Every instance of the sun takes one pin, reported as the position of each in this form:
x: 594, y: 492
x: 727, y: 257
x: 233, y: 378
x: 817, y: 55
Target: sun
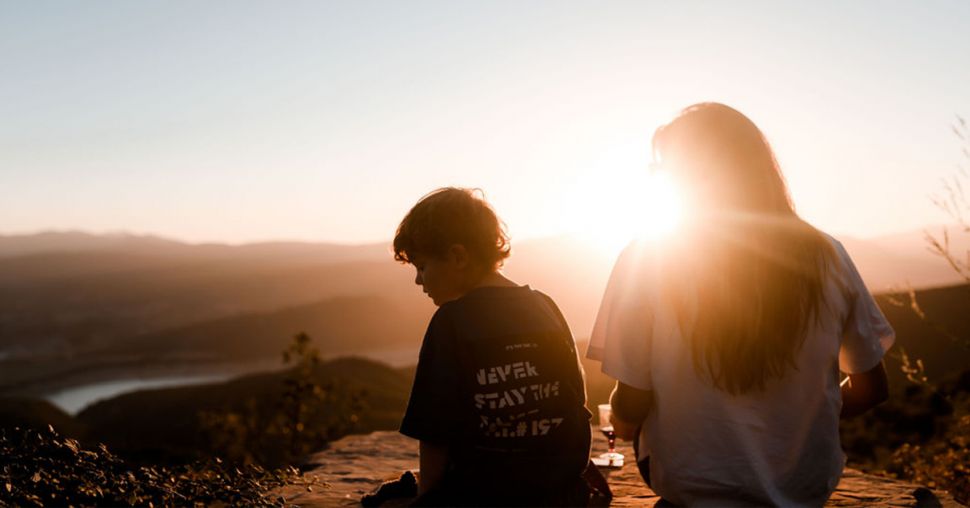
x: 663, y: 205
x: 614, y: 209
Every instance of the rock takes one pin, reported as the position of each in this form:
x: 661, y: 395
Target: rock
x: 356, y: 465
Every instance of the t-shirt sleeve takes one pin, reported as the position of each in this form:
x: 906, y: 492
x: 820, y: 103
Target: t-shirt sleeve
x: 622, y: 333
x: 577, y: 374
x: 866, y: 333
x: 432, y: 410
x: 559, y: 318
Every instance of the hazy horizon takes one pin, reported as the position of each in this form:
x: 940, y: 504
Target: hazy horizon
x: 580, y: 236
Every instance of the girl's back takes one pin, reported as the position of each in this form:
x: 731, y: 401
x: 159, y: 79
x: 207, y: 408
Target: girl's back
x: 778, y: 445
x: 730, y: 336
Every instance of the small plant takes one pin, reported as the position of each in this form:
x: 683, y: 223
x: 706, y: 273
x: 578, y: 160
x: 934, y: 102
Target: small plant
x: 953, y: 201
x: 943, y: 461
x: 306, y: 413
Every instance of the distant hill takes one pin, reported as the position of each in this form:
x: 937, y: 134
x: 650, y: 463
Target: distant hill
x: 340, y: 326
x: 77, y: 241
x: 914, y: 244
x: 941, y: 340
x: 900, y: 262
x: 158, y: 247
x: 73, y: 302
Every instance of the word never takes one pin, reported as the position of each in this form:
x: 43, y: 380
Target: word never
x: 517, y: 370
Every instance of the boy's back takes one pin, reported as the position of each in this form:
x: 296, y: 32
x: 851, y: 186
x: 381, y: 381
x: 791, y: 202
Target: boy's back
x: 498, y: 403
x: 498, y: 383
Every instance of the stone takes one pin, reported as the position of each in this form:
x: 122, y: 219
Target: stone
x: 355, y: 465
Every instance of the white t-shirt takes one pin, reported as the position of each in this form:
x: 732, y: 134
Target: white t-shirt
x: 779, y: 446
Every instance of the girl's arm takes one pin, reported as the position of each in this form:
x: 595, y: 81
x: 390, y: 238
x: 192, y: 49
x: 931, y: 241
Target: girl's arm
x: 630, y: 407
x: 862, y: 392
x: 433, y: 463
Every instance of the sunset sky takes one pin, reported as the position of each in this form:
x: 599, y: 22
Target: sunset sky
x: 325, y: 121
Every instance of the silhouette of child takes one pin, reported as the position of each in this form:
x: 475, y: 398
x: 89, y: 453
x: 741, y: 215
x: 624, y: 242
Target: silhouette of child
x: 498, y: 401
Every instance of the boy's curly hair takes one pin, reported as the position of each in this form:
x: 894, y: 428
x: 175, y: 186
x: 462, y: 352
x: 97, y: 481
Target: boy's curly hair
x: 449, y: 216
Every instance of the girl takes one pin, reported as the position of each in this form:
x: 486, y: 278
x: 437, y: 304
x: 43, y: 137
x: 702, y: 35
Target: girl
x: 726, y: 340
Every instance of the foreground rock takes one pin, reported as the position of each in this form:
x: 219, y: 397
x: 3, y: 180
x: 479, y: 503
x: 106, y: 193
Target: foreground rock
x: 355, y: 465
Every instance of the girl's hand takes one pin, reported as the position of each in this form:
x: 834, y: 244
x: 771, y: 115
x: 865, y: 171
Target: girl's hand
x: 625, y: 430
x: 864, y: 391
x: 633, y: 404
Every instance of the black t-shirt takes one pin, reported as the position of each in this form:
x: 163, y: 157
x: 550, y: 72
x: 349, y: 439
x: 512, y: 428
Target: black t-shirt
x: 499, y: 383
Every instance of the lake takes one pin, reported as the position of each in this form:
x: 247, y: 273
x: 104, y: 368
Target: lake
x: 74, y: 399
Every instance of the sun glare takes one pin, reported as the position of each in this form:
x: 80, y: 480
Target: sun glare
x: 635, y: 205
x: 662, y: 206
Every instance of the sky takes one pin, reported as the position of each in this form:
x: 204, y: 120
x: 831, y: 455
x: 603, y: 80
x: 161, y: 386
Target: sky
x: 233, y: 121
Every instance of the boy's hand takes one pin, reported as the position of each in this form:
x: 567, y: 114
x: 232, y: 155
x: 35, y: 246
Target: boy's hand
x: 594, y: 478
x: 433, y: 461
x: 625, y: 430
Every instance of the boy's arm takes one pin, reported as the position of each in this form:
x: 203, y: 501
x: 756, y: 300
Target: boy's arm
x: 864, y: 391
x: 630, y: 407
x: 433, y: 463
x: 429, y: 417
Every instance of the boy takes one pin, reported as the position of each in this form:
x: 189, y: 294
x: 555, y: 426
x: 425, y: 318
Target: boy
x: 498, y: 402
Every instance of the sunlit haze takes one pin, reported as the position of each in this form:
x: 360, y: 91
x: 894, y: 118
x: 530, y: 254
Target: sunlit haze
x: 639, y: 204
x: 325, y: 121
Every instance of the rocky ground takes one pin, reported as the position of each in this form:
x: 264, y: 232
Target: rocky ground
x: 356, y: 465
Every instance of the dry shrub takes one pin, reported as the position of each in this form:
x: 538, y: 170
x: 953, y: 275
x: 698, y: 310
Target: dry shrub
x: 942, y: 463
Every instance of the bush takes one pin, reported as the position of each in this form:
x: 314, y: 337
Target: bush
x: 942, y: 463
x: 308, y: 413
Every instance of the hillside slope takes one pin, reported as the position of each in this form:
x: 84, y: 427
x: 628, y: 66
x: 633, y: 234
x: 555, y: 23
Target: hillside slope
x: 166, y: 424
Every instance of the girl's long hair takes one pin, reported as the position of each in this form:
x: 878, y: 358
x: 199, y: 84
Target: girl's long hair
x: 751, y: 279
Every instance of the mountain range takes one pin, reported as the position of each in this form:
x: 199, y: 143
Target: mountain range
x: 73, y: 303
